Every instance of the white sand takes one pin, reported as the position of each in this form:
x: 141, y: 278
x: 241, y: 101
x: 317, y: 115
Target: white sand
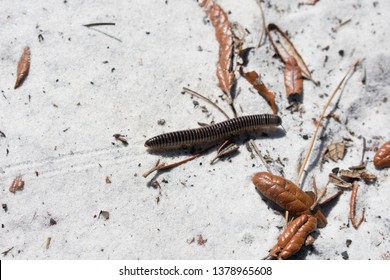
x: 72, y: 148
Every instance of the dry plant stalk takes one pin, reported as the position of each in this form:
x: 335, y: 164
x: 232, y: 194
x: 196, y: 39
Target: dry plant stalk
x: 284, y: 48
x: 163, y: 166
x: 292, y: 77
x: 23, y: 67
x: 254, y: 79
x: 17, y: 184
x: 382, y: 156
x: 263, y: 33
x: 293, y: 237
x: 352, y: 204
x: 224, y: 35
x: 350, y: 71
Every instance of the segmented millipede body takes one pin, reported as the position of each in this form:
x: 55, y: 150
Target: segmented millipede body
x: 287, y: 195
x: 213, y: 133
x: 293, y: 237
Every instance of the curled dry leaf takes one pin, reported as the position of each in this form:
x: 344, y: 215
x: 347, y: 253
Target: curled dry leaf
x: 292, y: 77
x: 284, y: 48
x: 337, y: 181
x: 254, y: 79
x: 294, y: 237
x: 23, y: 67
x: 17, y: 184
x: 224, y: 34
x: 382, y: 156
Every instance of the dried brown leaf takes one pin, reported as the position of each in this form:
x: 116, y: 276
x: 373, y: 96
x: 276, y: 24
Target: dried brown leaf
x: 337, y: 181
x: 254, y: 79
x: 23, y: 67
x: 108, y: 181
x: 224, y: 35
x: 292, y: 77
x: 336, y: 151
x: 17, y: 184
x: 382, y: 156
x: 284, y: 48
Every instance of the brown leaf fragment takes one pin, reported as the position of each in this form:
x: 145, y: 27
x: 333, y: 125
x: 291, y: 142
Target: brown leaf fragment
x: 352, y: 204
x: 336, y: 151
x: 337, y: 181
x: 17, y: 184
x: 23, y: 67
x: 104, y: 214
x: 284, y: 48
x: 108, y: 181
x: 368, y: 177
x: 224, y: 35
x: 382, y: 156
x: 350, y: 174
x: 201, y: 241
x: 292, y: 77
x: 254, y: 79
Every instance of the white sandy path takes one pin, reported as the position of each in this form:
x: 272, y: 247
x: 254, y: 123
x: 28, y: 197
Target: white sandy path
x: 72, y: 148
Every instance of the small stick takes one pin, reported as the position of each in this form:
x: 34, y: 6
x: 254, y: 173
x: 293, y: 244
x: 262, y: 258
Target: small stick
x: 164, y: 166
x: 330, y: 198
x: 48, y: 243
x: 254, y: 147
x: 108, y: 35
x: 335, y: 29
x: 5, y: 253
x: 262, y: 24
x: 352, y: 207
x: 99, y: 24
x: 350, y: 71
x: 364, y: 150
x: 190, y: 91
x: 322, y: 194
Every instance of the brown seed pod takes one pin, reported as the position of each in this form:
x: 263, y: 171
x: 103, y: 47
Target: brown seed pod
x: 23, y: 67
x: 283, y: 192
x: 293, y: 237
x: 287, y: 195
x: 382, y: 156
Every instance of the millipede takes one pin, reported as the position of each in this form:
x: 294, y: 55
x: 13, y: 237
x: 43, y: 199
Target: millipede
x: 214, y: 132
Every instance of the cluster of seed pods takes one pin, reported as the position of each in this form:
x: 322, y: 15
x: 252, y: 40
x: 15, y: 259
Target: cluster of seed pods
x: 291, y: 198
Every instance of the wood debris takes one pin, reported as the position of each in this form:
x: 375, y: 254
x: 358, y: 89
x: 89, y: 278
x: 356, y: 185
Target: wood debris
x: 108, y: 181
x: 121, y: 138
x: 23, y: 67
x: 352, y: 204
x: 200, y: 240
x: 338, y: 182
x: 17, y: 184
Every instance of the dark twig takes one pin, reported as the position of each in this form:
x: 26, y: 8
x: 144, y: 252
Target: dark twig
x: 98, y: 24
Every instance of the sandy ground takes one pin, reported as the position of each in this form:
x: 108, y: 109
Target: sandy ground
x: 84, y: 86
